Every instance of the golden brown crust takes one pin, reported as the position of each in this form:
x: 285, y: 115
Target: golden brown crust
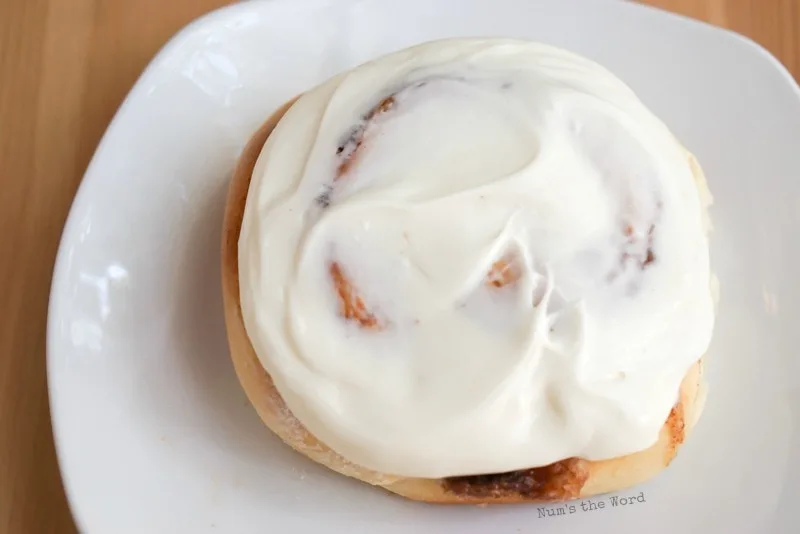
x: 568, y: 479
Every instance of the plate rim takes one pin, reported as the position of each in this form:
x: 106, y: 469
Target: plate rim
x: 88, y: 180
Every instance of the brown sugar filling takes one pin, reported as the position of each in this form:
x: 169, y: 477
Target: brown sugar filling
x: 349, y: 150
x: 503, y: 272
x: 555, y: 482
x: 559, y: 481
x: 351, y: 304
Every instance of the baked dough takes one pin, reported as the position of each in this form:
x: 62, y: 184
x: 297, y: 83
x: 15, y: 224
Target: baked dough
x: 567, y: 479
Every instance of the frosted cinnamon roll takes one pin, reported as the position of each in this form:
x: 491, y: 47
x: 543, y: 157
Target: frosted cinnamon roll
x: 472, y: 271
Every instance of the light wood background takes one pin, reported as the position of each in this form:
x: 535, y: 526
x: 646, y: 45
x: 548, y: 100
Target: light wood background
x: 65, y: 66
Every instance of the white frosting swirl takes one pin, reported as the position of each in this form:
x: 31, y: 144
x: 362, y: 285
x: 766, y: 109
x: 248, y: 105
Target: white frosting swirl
x: 475, y: 256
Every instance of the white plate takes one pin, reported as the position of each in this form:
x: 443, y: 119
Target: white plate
x: 153, y: 432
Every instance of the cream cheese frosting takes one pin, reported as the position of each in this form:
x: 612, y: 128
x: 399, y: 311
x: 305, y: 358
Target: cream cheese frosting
x: 475, y: 256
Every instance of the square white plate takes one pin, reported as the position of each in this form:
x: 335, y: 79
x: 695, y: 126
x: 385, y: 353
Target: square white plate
x: 153, y: 431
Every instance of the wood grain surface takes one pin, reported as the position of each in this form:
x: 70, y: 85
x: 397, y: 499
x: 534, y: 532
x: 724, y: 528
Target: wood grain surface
x: 65, y: 65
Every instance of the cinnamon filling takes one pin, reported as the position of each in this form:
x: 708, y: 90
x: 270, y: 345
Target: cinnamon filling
x: 555, y: 482
x: 349, y: 150
x: 351, y: 305
x: 639, y: 259
x: 503, y: 272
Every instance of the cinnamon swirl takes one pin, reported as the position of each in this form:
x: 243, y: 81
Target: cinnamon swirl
x: 472, y: 271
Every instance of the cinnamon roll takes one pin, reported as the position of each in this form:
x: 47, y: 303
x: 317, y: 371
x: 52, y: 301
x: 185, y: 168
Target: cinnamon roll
x: 472, y: 271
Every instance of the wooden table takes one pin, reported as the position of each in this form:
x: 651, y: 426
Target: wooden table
x: 65, y: 66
